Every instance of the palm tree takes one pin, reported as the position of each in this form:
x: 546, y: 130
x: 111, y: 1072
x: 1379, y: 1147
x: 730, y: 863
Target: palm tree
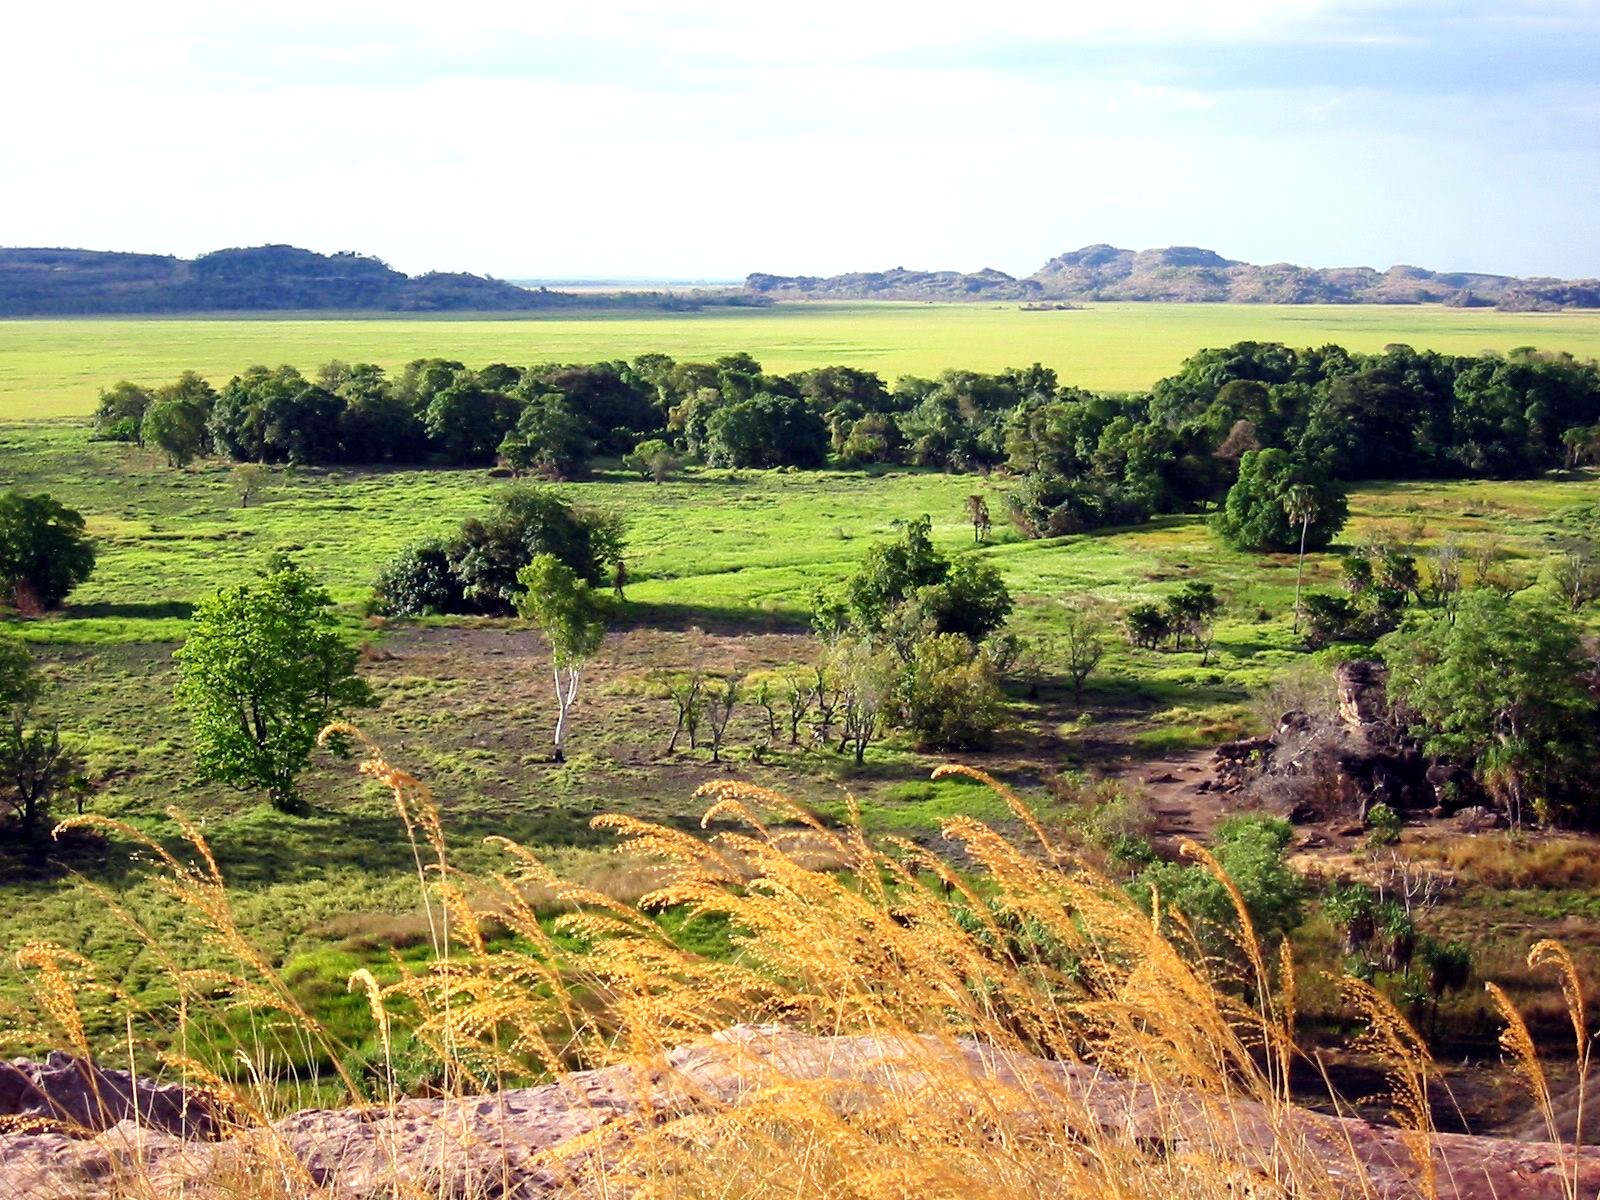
x: 1300, y: 506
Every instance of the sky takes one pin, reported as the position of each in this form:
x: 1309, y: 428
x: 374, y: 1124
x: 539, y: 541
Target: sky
x: 707, y: 139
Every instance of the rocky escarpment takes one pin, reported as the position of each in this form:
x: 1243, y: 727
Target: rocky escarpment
x: 1182, y: 274
x: 1334, y: 768
x: 517, y: 1143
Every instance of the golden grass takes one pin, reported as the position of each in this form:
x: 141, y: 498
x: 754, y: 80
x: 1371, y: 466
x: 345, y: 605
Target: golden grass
x: 1026, y: 952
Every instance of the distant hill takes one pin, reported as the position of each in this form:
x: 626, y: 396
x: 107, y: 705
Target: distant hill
x: 1189, y: 274
x: 273, y: 279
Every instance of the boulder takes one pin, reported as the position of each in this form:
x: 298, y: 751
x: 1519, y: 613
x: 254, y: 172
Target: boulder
x: 514, y: 1143
x: 1362, y: 685
x: 81, y: 1099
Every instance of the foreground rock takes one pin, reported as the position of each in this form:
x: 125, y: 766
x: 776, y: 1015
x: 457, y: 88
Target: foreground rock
x: 511, y: 1144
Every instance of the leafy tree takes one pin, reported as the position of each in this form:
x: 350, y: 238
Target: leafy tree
x: 653, y: 459
x: 1191, y: 611
x: 766, y: 431
x: 1148, y: 625
x: 44, y: 552
x: 1501, y: 686
x: 488, y: 552
x: 549, y: 440
x: 264, y: 668
x: 1256, y: 514
x: 466, y: 423
x: 119, y: 416
x: 176, y: 422
x: 572, y: 618
x: 248, y: 479
x: 35, y: 766
x: 909, y: 585
x: 1253, y: 850
x: 978, y: 514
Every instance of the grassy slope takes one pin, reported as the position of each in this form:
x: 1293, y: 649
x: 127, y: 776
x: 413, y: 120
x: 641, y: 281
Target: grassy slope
x: 56, y: 367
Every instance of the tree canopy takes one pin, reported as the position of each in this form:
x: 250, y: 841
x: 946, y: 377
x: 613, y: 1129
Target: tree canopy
x: 44, y: 551
x: 263, y: 670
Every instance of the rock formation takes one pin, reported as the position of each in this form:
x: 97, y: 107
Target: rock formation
x: 1315, y: 768
x: 512, y: 1144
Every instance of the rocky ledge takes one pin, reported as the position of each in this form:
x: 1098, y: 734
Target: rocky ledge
x: 507, y: 1144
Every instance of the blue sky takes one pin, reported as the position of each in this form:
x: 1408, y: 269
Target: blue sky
x: 710, y: 139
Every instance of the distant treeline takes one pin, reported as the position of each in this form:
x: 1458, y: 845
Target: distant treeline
x: 278, y: 279
x: 1084, y: 459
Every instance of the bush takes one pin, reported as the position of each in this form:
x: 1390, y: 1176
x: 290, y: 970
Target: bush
x: 952, y: 698
x: 419, y: 582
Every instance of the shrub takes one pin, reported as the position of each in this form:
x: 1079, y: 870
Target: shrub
x: 952, y: 696
x: 419, y: 582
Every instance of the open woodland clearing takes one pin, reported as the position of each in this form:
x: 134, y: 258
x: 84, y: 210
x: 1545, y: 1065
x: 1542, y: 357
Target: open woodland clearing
x: 54, y: 368
x: 722, y: 567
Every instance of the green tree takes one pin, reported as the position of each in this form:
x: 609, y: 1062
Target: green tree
x: 1300, y: 506
x: 263, y: 670
x: 951, y: 695
x: 120, y: 413
x: 177, y: 420
x: 1501, y: 686
x: 44, y: 552
x: 653, y: 459
x: 572, y: 618
x: 1256, y: 513
x: 1083, y: 638
x: 35, y: 765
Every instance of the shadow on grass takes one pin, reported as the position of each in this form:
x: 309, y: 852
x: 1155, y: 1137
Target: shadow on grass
x: 153, y: 610
x: 729, y: 620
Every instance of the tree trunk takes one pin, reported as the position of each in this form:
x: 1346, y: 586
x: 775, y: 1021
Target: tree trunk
x: 1300, y: 571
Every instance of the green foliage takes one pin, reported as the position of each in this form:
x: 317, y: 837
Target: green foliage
x: 419, y: 581
x: 1257, y: 512
x: 476, y: 571
x: 906, y: 587
x: 119, y: 416
x: 766, y: 431
x: 1253, y: 850
x: 549, y: 440
x: 177, y: 419
x: 1500, y: 684
x: 263, y: 670
x: 44, y: 551
x: 573, y: 620
x: 1147, y: 625
x: 1383, y: 826
x: 563, y: 606
x: 653, y: 459
x: 952, y: 698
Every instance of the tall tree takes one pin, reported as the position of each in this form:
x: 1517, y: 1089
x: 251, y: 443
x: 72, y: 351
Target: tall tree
x: 1300, y: 506
x: 572, y: 618
x: 263, y: 670
x: 35, y: 765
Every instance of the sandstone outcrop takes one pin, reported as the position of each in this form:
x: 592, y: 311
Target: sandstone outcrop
x: 510, y: 1144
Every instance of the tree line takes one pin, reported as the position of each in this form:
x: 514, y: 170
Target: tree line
x: 1084, y: 459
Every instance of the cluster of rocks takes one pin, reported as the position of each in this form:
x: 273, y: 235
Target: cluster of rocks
x: 512, y: 1144
x: 1335, y: 768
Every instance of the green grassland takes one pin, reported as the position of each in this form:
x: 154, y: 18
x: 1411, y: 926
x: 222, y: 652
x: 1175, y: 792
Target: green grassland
x: 56, y: 367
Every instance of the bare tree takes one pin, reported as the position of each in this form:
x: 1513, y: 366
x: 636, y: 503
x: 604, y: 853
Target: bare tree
x: 978, y: 514
x: 1083, y: 638
x: 686, y: 690
x: 722, y: 697
x: 1444, y: 570
x: 825, y: 698
x: 867, y: 678
x: 1577, y: 574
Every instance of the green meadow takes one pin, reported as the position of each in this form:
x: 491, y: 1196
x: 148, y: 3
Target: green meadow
x: 54, y: 368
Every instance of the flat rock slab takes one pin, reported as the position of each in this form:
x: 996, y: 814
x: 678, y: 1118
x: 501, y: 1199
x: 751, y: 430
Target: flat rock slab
x: 514, y: 1143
